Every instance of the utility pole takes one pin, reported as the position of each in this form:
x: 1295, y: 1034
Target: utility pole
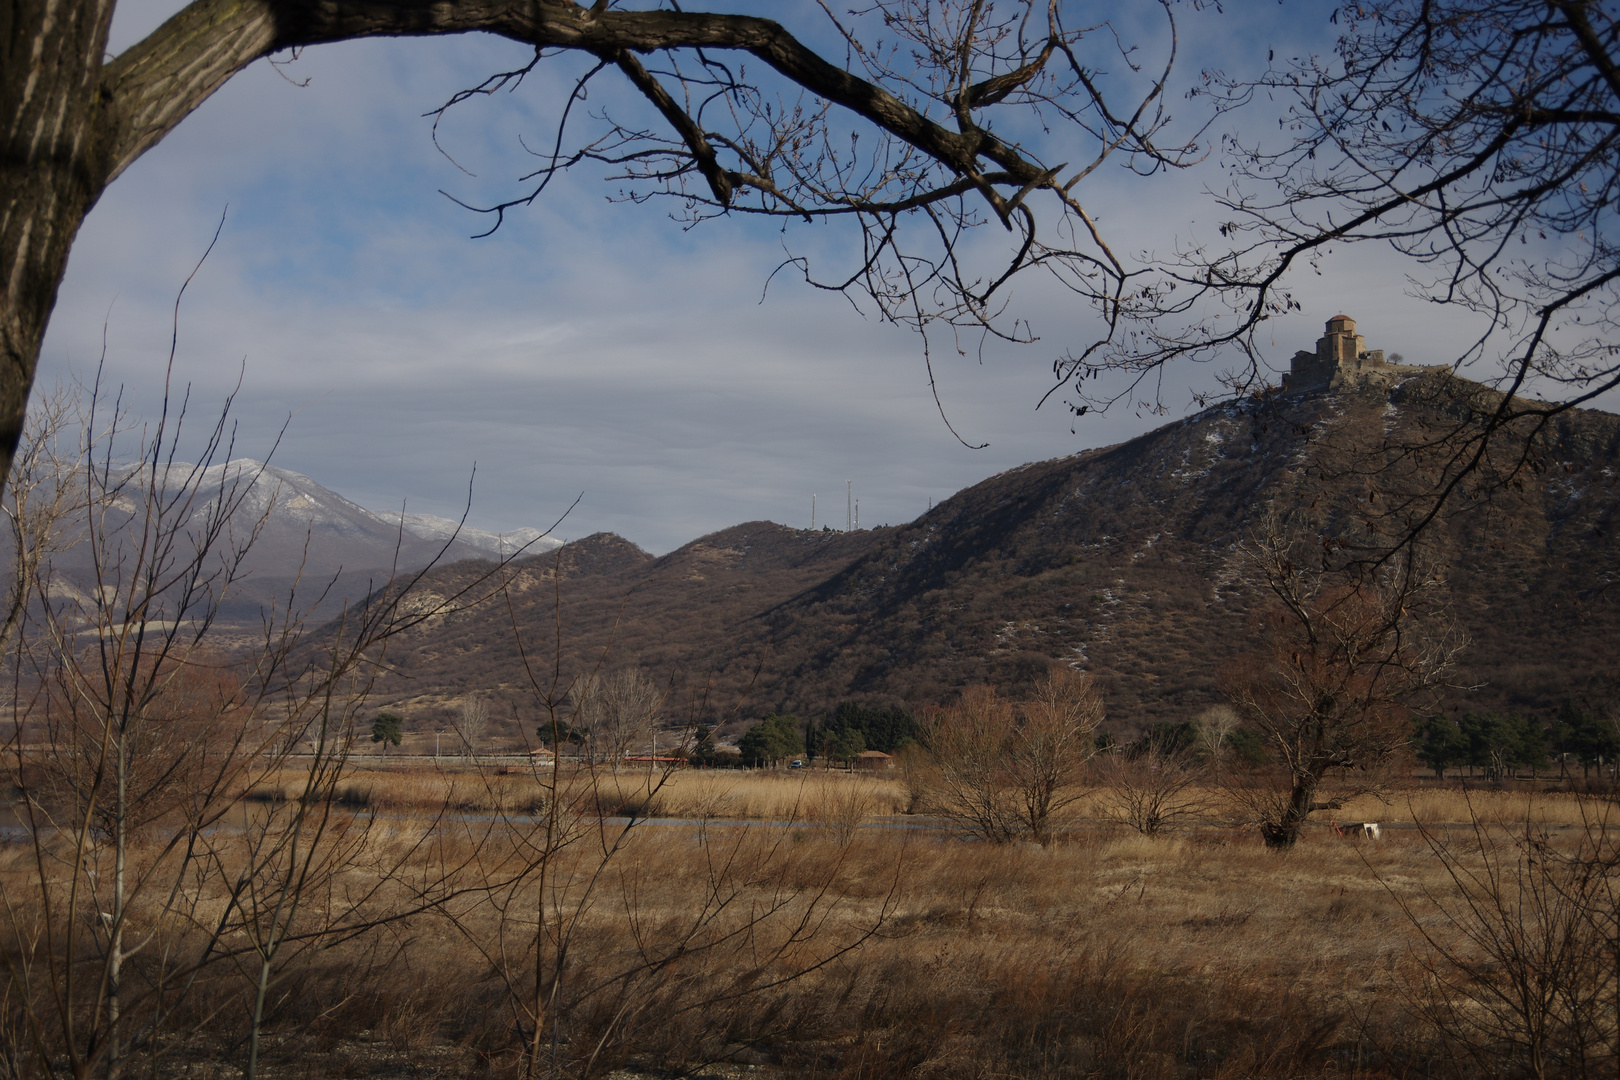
x: 812, y: 512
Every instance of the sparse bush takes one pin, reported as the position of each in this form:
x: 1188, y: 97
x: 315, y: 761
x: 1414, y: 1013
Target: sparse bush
x: 1001, y: 769
x: 1155, y: 788
x: 1523, y: 946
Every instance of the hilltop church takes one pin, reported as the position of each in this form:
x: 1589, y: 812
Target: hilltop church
x: 1340, y: 353
x: 1341, y: 357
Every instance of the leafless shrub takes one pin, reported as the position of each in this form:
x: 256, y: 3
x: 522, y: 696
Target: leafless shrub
x: 839, y: 809
x: 1155, y: 788
x: 1000, y: 769
x: 1523, y: 946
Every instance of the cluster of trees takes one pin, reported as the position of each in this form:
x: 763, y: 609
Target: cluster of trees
x: 854, y: 728
x: 1497, y: 745
x: 610, y: 716
x: 851, y: 730
x: 773, y: 740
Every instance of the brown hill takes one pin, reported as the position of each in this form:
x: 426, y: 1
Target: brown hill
x: 1118, y: 560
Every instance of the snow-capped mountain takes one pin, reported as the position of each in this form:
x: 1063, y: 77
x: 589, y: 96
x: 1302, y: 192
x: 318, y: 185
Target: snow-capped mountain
x: 295, y: 508
x: 308, y: 536
x: 529, y: 541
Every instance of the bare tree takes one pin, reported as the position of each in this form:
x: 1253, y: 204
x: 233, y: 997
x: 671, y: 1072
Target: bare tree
x: 1522, y: 953
x: 933, y: 128
x: 1155, y: 787
x: 42, y: 501
x: 1002, y: 769
x: 967, y: 780
x: 1049, y: 746
x: 1216, y: 725
x: 471, y: 723
x: 134, y: 740
x: 617, y: 712
x: 1344, y: 655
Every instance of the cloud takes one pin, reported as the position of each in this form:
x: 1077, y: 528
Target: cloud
x: 588, y: 346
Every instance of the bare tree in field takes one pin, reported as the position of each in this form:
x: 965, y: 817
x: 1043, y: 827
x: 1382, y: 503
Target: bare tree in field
x: 1216, y: 725
x: 967, y: 781
x: 617, y: 712
x: 1056, y: 734
x: 471, y: 723
x: 1002, y: 769
x: 1343, y: 657
x: 1155, y: 787
x: 134, y: 743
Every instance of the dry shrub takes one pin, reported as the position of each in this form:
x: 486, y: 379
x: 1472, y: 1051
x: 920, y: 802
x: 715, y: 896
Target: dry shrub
x: 1523, y: 947
x: 839, y: 808
x: 1154, y: 789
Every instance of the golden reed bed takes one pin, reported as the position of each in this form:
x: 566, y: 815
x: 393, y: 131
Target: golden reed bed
x: 787, y: 795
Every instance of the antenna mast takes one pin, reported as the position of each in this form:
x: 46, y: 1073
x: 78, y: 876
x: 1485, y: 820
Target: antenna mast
x: 849, y: 509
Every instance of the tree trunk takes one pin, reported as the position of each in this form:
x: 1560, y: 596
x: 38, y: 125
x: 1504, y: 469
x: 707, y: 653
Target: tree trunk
x: 1284, y: 833
x: 53, y: 167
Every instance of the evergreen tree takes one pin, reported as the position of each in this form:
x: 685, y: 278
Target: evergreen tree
x: 1499, y: 744
x: 1440, y: 744
x: 1591, y: 741
x: 387, y: 729
x: 844, y: 746
x: 880, y: 729
x: 772, y: 740
x: 559, y: 732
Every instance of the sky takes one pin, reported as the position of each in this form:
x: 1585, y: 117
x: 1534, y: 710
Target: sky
x: 591, y: 349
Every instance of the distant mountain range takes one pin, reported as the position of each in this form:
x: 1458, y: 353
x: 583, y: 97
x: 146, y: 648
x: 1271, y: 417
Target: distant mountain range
x: 1116, y: 560
x: 312, y: 535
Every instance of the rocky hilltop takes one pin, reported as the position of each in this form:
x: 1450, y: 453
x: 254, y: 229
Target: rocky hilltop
x: 1117, y: 560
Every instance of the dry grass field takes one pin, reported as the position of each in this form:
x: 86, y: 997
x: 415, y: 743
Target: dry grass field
x: 799, y: 924
x: 793, y: 795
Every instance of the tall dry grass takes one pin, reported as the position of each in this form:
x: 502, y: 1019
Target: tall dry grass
x: 756, y: 920
x: 1199, y: 954
x: 766, y: 795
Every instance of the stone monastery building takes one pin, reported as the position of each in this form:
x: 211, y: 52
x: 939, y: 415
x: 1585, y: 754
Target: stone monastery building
x: 1341, y: 354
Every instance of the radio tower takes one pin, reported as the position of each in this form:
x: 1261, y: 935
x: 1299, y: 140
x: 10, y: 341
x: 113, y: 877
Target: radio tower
x: 849, y: 510
x: 812, y: 513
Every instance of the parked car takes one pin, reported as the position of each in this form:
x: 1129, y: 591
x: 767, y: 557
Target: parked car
x: 796, y: 763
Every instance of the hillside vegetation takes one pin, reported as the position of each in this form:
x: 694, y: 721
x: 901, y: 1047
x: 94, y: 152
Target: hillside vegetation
x: 1117, y: 560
